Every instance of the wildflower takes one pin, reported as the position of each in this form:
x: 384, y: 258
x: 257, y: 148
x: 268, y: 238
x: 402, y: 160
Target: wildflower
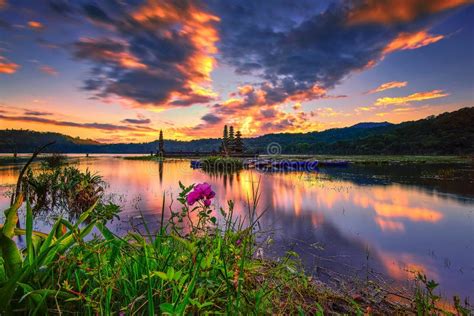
x: 202, y: 191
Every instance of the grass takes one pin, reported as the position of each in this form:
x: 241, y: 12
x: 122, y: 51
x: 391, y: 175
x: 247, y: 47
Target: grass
x: 385, y: 159
x: 201, y: 260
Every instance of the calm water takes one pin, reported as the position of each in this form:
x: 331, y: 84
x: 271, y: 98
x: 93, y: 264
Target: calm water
x: 380, y: 221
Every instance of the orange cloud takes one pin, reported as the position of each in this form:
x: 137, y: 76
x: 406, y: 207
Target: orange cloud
x: 296, y: 106
x: 387, y: 86
x: 127, y: 60
x: 101, y: 51
x: 398, y: 11
x: 7, y: 67
x: 416, y: 40
x: 307, y: 95
x: 404, y: 41
x: 35, y: 25
x: 253, y: 112
x: 415, y: 97
x: 197, y: 26
x: 364, y: 109
x: 48, y: 70
x: 3, y: 4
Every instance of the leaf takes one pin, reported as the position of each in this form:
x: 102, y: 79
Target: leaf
x: 170, y: 273
x: 11, y: 217
x: 86, y: 214
x: 167, y: 308
x: 160, y: 274
x: 50, y: 237
x: 29, y: 232
x: 11, y: 255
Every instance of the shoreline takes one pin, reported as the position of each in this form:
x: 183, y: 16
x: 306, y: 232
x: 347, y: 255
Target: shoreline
x: 357, y: 160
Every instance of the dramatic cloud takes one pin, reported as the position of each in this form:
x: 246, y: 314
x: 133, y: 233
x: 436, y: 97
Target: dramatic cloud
x: 7, y: 67
x: 137, y: 121
x: 294, y: 59
x: 107, y: 52
x: 387, y: 86
x: 159, y: 53
x: 300, y: 50
x: 99, y: 126
x: 399, y: 11
x: 48, y: 70
x: 253, y: 111
x: 415, y: 97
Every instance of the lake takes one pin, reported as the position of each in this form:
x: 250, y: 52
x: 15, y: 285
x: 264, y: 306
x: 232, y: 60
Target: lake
x: 379, y: 222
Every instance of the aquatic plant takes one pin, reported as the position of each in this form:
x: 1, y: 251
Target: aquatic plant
x: 217, y: 163
x: 54, y: 160
x: 66, y: 188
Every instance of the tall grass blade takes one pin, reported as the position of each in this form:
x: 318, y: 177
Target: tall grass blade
x: 29, y: 233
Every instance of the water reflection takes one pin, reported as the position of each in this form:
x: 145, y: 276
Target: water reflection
x: 335, y: 218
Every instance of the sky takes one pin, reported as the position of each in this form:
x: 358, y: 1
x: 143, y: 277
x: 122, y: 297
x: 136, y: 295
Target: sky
x: 120, y: 71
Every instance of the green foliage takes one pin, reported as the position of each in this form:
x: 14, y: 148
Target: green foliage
x: 66, y: 188
x: 217, y: 163
x: 105, y: 212
x: 425, y: 299
x: 53, y: 161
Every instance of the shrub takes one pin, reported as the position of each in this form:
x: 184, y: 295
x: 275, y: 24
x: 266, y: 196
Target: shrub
x: 216, y: 163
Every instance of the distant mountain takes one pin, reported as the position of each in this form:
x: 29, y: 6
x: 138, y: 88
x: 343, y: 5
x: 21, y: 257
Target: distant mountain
x: 447, y: 133
x: 26, y: 141
x: 371, y: 124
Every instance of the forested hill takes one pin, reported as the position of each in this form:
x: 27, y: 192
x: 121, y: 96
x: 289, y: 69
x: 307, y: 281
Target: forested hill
x: 448, y: 133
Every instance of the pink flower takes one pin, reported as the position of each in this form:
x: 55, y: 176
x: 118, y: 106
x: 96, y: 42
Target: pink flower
x: 193, y: 197
x: 202, y: 191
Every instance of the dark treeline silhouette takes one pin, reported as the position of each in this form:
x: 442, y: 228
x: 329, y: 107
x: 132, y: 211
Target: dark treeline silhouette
x: 447, y: 133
